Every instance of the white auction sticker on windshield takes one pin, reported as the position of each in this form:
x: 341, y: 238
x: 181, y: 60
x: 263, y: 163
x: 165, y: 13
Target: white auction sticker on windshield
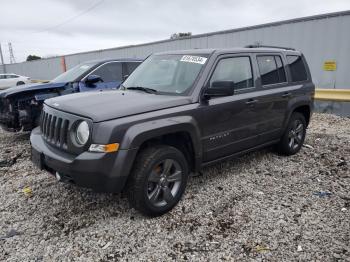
x: 194, y: 59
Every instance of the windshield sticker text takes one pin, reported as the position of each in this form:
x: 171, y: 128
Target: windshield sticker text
x: 194, y: 59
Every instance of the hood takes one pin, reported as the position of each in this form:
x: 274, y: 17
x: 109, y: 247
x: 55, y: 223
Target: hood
x: 107, y: 105
x: 29, y: 87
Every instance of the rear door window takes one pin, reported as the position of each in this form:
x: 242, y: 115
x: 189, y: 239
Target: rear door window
x: 271, y: 70
x: 110, y: 72
x: 297, y: 68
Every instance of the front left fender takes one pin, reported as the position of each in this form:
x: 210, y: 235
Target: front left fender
x: 137, y: 134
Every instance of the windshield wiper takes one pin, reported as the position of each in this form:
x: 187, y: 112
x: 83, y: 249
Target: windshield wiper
x: 141, y: 88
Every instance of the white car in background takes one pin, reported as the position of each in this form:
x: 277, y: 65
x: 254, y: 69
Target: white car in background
x: 8, y: 80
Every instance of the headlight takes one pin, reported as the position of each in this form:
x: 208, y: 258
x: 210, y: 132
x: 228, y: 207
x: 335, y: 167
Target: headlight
x: 82, y: 133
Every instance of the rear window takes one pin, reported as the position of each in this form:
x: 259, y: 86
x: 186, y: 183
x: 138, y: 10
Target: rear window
x: 297, y: 68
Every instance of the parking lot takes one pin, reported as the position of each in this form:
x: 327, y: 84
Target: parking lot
x: 259, y: 206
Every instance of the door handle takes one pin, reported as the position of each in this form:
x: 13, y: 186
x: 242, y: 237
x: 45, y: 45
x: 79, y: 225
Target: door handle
x: 287, y: 94
x: 251, y: 102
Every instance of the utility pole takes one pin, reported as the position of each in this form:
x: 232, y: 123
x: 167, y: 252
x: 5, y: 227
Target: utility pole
x: 2, y: 61
x: 12, y: 57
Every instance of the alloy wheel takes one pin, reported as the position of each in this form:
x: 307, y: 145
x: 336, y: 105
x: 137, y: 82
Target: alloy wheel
x: 164, y: 182
x: 296, y: 133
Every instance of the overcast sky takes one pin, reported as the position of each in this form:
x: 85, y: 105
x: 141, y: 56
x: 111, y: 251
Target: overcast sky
x: 57, y: 27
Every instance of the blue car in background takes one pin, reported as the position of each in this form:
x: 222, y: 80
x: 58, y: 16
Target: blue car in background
x: 20, y: 106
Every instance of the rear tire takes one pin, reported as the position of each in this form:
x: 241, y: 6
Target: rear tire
x: 20, y: 83
x: 294, y: 135
x: 158, y: 180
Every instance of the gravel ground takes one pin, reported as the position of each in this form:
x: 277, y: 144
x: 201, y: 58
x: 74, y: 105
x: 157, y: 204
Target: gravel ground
x: 257, y: 207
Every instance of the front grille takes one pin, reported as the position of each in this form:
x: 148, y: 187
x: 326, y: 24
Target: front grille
x: 54, y: 129
x: 57, y: 128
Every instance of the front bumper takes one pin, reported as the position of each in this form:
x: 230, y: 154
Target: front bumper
x: 103, y: 172
x: 6, y: 118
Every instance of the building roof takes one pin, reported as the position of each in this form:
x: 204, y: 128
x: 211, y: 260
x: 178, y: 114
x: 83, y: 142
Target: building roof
x: 290, y: 21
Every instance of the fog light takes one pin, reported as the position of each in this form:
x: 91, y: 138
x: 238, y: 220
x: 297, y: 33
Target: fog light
x: 104, y: 148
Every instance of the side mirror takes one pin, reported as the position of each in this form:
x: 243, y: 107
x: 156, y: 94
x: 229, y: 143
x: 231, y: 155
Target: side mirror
x: 93, y: 79
x: 219, y: 89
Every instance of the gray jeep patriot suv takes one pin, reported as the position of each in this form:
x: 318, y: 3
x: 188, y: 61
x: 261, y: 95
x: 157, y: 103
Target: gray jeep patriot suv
x: 175, y: 114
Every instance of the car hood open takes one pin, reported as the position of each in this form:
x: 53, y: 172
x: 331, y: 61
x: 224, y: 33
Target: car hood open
x: 107, y: 105
x: 15, y: 90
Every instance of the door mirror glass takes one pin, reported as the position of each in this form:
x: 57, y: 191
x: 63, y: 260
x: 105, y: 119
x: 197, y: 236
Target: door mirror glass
x: 219, y: 89
x: 92, y: 79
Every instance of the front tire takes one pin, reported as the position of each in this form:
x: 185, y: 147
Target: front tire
x: 158, y: 180
x: 294, y: 135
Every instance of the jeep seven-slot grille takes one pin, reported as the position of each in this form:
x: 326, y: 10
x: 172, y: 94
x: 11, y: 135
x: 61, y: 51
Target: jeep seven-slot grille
x: 54, y: 129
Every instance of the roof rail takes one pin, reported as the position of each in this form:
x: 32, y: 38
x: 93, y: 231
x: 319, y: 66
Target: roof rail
x: 269, y: 46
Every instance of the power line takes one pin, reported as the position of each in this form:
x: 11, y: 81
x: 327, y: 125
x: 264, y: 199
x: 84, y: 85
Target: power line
x: 12, y: 56
x: 72, y: 18
x: 2, y: 61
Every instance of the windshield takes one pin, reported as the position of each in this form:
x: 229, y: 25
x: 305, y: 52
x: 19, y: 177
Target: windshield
x: 174, y: 74
x: 73, y: 73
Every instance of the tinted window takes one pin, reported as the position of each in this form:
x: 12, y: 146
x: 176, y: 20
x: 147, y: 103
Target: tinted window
x: 280, y: 69
x: 236, y: 69
x: 12, y: 76
x: 131, y: 66
x: 271, y: 70
x: 110, y: 72
x: 297, y: 68
x: 2, y: 77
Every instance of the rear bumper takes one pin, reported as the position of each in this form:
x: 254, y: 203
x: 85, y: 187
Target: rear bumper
x: 103, y: 172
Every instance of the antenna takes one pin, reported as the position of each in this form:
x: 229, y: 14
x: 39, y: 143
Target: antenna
x: 12, y: 57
